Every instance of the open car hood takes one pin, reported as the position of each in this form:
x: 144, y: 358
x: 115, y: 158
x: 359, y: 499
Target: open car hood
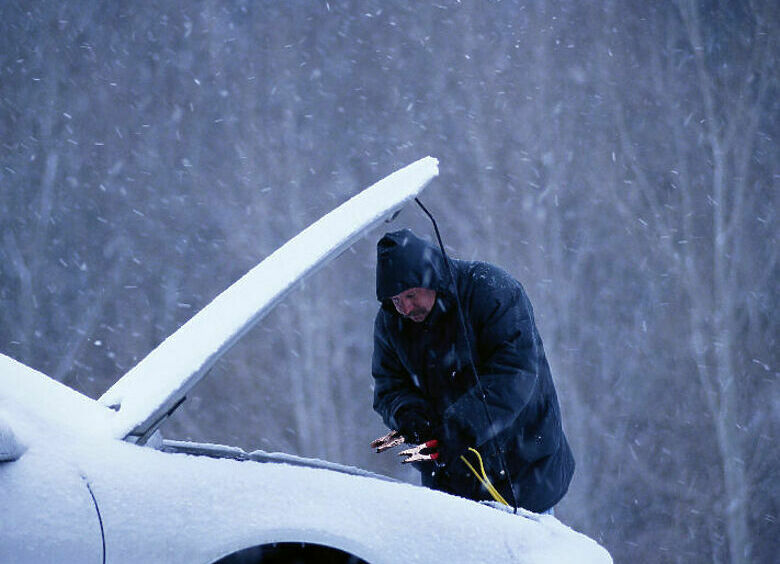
x: 151, y: 390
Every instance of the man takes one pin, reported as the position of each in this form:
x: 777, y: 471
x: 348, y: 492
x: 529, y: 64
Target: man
x: 424, y: 382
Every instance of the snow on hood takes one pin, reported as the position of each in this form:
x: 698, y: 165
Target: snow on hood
x: 161, y: 507
x: 217, y: 506
x: 57, y: 404
x: 161, y: 380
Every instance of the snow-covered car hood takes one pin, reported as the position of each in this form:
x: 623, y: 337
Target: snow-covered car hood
x: 155, y: 506
x: 159, y: 383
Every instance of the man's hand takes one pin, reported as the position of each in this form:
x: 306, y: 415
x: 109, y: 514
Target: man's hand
x: 451, y: 444
x: 414, y: 425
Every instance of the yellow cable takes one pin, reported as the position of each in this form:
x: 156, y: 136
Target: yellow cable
x: 487, y: 485
x: 484, y: 480
x: 481, y: 480
x: 491, y: 488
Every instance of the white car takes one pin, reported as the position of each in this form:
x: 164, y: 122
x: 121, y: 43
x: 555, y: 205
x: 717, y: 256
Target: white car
x: 93, y: 481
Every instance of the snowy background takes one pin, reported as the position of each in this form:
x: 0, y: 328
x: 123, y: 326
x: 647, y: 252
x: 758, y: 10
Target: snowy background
x: 618, y: 158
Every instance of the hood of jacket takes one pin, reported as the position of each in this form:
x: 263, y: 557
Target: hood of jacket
x: 405, y: 261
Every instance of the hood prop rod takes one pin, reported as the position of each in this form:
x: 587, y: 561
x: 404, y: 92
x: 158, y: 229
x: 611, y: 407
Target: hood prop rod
x: 143, y: 438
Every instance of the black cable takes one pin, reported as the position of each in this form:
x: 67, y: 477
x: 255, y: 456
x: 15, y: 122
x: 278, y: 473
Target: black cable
x: 480, y: 389
x: 100, y: 518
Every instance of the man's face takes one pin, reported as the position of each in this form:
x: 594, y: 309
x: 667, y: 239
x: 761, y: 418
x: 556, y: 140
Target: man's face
x: 415, y: 303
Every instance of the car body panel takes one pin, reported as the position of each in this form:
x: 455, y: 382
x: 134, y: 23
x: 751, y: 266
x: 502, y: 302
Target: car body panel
x: 48, y: 514
x: 160, y: 381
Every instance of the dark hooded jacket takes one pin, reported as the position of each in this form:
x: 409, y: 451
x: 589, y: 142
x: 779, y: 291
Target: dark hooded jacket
x: 425, y: 366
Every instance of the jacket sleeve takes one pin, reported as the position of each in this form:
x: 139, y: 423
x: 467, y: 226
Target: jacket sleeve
x: 394, y: 390
x: 507, y: 352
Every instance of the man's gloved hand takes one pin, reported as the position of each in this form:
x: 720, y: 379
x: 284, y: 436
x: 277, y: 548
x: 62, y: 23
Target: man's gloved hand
x: 414, y: 425
x: 452, y: 443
